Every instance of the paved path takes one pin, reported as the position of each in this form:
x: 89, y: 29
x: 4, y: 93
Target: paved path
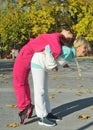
x: 70, y: 96
x: 6, y: 65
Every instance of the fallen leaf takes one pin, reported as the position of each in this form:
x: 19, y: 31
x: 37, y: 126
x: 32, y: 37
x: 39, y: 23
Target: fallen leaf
x: 59, y: 91
x: 91, y: 108
x: 4, y: 76
x: 84, y: 116
x: 12, y: 125
x: 89, y: 90
x: 78, y: 94
x: 11, y: 106
x: 81, y: 92
x: 52, y: 96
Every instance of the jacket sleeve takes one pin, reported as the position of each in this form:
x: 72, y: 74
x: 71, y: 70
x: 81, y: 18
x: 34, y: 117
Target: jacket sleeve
x: 50, y: 61
x: 61, y: 61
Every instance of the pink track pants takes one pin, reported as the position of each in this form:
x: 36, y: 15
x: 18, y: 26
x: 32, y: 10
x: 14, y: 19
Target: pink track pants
x: 20, y: 80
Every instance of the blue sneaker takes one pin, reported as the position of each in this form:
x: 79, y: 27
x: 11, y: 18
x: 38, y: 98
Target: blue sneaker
x: 53, y: 117
x: 46, y: 122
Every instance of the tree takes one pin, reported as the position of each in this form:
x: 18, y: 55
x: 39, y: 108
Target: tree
x: 22, y: 19
x: 81, y: 12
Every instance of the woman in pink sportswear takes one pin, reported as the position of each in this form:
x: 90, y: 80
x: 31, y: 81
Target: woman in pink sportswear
x: 21, y: 67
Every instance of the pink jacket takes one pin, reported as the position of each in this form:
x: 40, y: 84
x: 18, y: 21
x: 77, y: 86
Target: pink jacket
x: 38, y: 44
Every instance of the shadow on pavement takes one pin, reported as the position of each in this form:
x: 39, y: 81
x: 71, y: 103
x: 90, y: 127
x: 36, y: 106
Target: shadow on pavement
x: 86, y: 126
x: 69, y: 108
x: 33, y: 119
x: 74, y: 106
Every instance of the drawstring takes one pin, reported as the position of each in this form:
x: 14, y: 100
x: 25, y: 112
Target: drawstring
x: 78, y: 67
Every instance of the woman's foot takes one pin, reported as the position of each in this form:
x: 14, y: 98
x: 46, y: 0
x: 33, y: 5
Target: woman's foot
x: 46, y: 122
x: 26, y: 113
x: 53, y: 117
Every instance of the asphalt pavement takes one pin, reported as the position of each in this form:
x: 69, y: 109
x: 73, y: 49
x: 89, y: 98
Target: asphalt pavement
x: 71, y: 98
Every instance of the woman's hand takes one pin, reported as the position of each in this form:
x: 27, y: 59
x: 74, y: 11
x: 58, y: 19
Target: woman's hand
x: 66, y: 66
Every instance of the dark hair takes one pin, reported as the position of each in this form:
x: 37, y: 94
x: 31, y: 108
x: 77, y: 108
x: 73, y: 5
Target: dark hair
x: 66, y: 41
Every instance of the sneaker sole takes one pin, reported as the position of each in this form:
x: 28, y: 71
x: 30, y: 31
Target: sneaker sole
x: 55, y: 119
x: 42, y: 123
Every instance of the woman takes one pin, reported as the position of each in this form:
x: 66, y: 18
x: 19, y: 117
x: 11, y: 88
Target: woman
x: 40, y: 63
x: 43, y: 61
x: 21, y: 67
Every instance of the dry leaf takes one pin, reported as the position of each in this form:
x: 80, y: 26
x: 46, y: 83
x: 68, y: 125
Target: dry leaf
x: 78, y: 94
x: 91, y: 108
x: 52, y: 96
x: 84, y: 116
x: 4, y: 76
x: 81, y: 92
x: 11, y: 106
x: 59, y: 91
x: 12, y: 125
x: 89, y: 90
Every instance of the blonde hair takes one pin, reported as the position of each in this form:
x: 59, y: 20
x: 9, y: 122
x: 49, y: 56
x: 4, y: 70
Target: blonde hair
x: 81, y: 41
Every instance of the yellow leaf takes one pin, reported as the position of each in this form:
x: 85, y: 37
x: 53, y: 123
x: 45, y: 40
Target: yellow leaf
x: 91, y: 108
x: 11, y: 106
x: 12, y: 125
x: 51, y: 96
x: 89, y: 90
x: 84, y: 116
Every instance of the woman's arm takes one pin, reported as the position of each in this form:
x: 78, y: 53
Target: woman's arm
x: 51, y: 63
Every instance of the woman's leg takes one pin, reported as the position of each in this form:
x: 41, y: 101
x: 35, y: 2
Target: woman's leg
x: 21, y: 86
x: 46, y: 93
x: 40, y: 79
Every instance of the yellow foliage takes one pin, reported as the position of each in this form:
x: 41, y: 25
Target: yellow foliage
x: 31, y: 18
